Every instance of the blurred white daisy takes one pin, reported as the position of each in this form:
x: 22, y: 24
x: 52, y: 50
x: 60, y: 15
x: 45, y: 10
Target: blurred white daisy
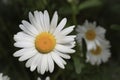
x: 91, y: 34
x: 44, y: 42
x: 100, y: 54
x: 47, y: 78
x: 4, y: 77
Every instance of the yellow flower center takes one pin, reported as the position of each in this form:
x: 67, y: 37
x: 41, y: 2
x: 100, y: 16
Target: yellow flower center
x: 45, y: 42
x: 97, y: 51
x: 90, y: 34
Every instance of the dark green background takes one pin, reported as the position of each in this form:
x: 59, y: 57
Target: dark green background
x: 105, y: 12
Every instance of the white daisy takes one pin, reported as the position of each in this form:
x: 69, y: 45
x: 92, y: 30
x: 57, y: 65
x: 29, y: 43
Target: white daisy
x: 91, y: 34
x: 4, y: 77
x: 100, y: 54
x: 44, y: 42
x: 47, y: 78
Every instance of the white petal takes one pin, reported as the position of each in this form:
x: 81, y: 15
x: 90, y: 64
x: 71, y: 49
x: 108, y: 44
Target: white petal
x: 38, y: 78
x: 104, y: 43
x: 46, y: 20
x: 60, y: 58
x: 24, y: 44
x: 35, y: 62
x: 105, y: 56
x: 29, y: 62
x: 98, y: 62
x: 87, y: 58
x: 19, y: 52
x: 89, y: 25
x: 66, y: 56
x: 67, y: 39
x: 54, y: 22
x: 26, y: 30
x: 47, y: 78
x: 47, y: 68
x: 59, y: 37
x: 1, y: 74
x: 100, y: 30
x: 27, y: 55
x: 30, y: 27
x: 97, y: 42
x: 81, y: 29
x: 86, y: 23
x: 32, y: 19
x: 70, y: 45
x: 38, y: 24
x: 63, y: 61
x: 39, y: 66
x: 60, y: 26
x: 44, y: 64
x: 22, y: 51
x: 79, y: 38
x: 64, y: 49
x: 39, y: 60
x: 42, y: 21
x: 5, y: 78
x: 50, y: 63
x: 92, y: 61
x: 91, y: 45
x: 57, y: 60
x: 35, y: 20
x: 68, y: 30
x: 21, y: 36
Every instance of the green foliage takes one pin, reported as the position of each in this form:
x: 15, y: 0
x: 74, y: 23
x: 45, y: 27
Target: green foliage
x: 89, y: 3
x: 105, y: 12
x: 115, y: 27
x: 78, y: 64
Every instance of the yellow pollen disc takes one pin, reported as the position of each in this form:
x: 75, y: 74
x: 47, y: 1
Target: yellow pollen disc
x: 97, y: 51
x: 90, y: 34
x: 45, y: 42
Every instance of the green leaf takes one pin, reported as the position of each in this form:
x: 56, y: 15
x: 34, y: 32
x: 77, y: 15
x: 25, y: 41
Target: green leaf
x: 78, y: 64
x: 89, y: 4
x: 65, y: 10
x: 115, y: 27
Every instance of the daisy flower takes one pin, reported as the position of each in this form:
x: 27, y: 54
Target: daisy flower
x: 43, y: 42
x: 4, y: 77
x: 91, y: 34
x: 100, y: 54
x: 47, y: 78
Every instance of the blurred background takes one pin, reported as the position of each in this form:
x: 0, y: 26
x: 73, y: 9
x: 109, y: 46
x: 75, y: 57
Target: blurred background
x: 105, y: 12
